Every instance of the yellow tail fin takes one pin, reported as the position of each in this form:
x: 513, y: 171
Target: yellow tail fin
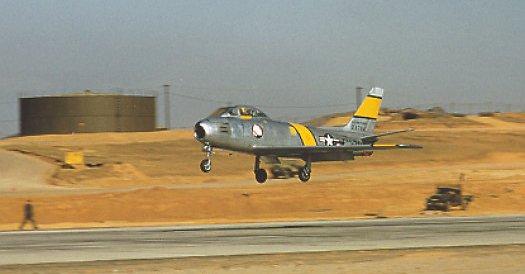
x: 371, y: 105
x: 364, y: 119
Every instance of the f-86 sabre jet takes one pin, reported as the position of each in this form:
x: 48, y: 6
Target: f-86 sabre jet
x: 248, y: 130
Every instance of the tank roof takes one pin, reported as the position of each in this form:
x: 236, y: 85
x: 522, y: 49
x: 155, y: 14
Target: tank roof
x: 88, y: 93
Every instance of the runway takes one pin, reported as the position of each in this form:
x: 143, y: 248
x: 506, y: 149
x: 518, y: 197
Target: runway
x: 257, y: 238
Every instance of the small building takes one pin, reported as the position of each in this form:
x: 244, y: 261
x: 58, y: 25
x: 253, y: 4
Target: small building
x: 85, y: 112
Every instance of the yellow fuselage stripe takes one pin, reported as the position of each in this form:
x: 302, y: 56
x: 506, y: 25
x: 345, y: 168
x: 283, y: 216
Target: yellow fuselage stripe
x: 305, y: 134
x: 293, y: 131
x: 369, y: 108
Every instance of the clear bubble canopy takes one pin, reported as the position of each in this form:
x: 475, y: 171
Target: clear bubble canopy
x: 238, y: 111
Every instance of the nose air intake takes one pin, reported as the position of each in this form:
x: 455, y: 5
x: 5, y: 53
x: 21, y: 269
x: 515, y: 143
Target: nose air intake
x: 200, y: 133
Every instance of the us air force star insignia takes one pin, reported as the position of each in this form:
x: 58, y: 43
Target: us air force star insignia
x: 329, y: 140
x: 257, y: 131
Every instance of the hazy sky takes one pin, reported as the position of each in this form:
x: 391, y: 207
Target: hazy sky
x: 265, y: 52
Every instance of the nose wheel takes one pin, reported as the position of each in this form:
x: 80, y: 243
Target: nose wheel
x: 260, y: 174
x: 206, y: 163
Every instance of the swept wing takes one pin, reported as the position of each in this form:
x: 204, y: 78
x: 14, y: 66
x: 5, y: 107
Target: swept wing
x: 301, y: 151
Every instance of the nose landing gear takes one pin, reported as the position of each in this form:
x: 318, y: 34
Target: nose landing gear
x: 206, y: 163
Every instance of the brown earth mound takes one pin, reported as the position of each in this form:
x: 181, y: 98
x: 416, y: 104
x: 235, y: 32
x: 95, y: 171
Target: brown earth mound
x: 152, y: 178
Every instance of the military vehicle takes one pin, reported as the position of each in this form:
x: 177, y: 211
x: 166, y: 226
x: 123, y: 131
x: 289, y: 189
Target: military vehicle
x: 447, y: 197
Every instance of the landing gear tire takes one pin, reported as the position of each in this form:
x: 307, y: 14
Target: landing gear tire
x: 206, y: 165
x: 261, y: 176
x: 304, y: 174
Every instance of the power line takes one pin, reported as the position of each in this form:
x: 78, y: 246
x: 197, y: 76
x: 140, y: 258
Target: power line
x: 228, y: 102
x: 306, y: 107
x: 192, y: 88
x: 201, y: 99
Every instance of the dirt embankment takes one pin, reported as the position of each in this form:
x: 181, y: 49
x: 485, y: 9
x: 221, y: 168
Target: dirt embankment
x: 21, y: 173
x: 153, y: 178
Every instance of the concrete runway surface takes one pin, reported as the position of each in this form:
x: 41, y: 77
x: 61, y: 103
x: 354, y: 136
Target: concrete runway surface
x: 30, y: 247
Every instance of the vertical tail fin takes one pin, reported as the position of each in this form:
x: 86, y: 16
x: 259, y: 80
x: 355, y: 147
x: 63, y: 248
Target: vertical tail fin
x: 364, y: 119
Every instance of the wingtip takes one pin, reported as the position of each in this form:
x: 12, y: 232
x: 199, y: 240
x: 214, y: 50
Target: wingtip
x: 410, y: 146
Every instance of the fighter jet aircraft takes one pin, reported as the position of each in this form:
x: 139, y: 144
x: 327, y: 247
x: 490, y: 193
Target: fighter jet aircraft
x: 248, y: 130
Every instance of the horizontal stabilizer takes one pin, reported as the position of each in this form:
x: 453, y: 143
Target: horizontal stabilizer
x: 395, y: 146
x: 374, y: 138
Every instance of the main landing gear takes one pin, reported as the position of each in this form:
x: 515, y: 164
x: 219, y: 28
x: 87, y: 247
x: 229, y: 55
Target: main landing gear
x: 260, y: 174
x: 206, y: 163
x: 305, y: 171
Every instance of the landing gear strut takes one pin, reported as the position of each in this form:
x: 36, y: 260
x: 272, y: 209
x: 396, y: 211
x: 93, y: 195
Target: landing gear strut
x: 260, y: 174
x: 304, y: 172
x: 206, y: 163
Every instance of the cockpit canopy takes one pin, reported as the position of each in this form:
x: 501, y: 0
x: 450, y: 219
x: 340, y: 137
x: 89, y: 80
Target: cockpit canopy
x: 238, y: 111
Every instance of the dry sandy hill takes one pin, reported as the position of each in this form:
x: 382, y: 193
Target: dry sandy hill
x: 15, y: 176
x: 425, y: 119
x: 152, y: 178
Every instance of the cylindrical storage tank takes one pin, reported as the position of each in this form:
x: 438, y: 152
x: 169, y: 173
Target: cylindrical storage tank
x: 86, y: 112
